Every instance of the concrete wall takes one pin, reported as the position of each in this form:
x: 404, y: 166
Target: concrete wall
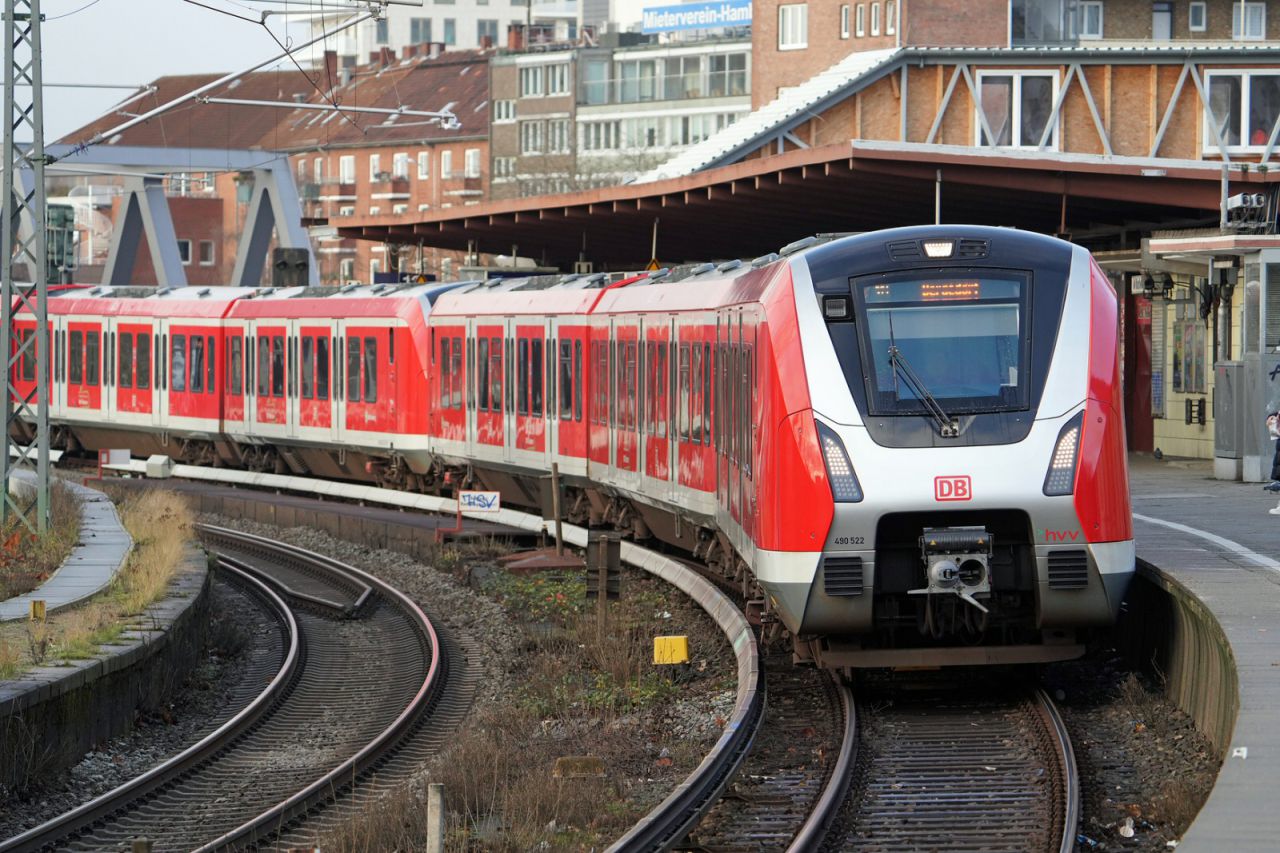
x: 50, y: 717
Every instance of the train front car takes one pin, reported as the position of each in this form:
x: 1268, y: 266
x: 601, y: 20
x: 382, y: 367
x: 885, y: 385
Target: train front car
x: 975, y: 449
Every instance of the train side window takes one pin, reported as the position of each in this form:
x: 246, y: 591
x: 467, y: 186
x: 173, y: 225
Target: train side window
x: 706, y: 394
x: 695, y: 395
x: 308, y: 367
x: 495, y: 374
x: 446, y: 380
x: 633, y: 385
x: 322, y: 367
x: 178, y: 364
x: 108, y: 362
x: 747, y: 371
x: 264, y: 366
x: 291, y: 367
x: 338, y: 365
x: 682, y: 425
x: 162, y: 363
x: 211, y: 365
x: 142, y: 364
x: 577, y: 383
x: 566, y: 379
x: 455, y: 369
x: 196, y: 384
x: 471, y: 373
x: 522, y: 372
x: 391, y: 346
x: 353, y: 369
x: 235, y: 368
x: 126, y: 360
x: 511, y: 367
x: 482, y: 383
x: 535, y: 377
x: 371, y: 370
x: 76, y: 358
x: 549, y: 390
x: 277, y: 365
x: 92, y: 353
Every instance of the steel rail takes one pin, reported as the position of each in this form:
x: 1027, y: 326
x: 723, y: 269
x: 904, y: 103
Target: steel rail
x: 279, y: 816
x: 49, y: 833
x: 814, y: 831
x: 1070, y: 776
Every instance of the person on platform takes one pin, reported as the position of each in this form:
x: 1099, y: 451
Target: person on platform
x: 1273, y: 429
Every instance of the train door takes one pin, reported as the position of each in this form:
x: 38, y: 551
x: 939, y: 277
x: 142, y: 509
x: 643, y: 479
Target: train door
x: 657, y: 447
x: 84, y: 367
x: 489, y: 415
x: 530, y: 433
x: 133, y: 372
x: 625, y: 469
x: 233, y: 389
x: 270, y: 405
x: 599, y: 441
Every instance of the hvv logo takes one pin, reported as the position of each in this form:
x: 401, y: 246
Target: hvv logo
x: 1061, y: 535
x: 480, y: 501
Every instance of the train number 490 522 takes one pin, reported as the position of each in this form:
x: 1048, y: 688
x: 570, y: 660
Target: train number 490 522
x: 850, y: 540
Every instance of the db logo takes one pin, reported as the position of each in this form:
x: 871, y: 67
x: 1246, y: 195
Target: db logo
x: 952, y: 489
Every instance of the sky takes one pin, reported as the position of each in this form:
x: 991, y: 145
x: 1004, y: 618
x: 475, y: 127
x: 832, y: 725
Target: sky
x: 131, y: 42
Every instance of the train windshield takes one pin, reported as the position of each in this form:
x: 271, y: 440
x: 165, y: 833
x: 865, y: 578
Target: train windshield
x: 962, y: 334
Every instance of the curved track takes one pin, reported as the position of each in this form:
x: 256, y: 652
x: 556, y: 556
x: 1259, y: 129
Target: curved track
x: 364, y: 668
x: 941, y: 766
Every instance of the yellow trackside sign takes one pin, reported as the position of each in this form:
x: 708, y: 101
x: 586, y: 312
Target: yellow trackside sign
x: 670, y: 650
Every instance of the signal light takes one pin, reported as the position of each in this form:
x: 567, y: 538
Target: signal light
x: 1061, y: 476
x: 844, y: 482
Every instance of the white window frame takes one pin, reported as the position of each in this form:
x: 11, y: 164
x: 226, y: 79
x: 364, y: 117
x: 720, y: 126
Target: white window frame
x: 213, y: 253
x: 317, y: 169
x: 184, y: 251
x: 890, y: 17
x: 347, y: 169
x: 375, y: 267
x: 1240, y: 20
x: 504, y: 111
x: 557, y: 79
x: 398, y: 209
x: 844, y: 21
x: 347, y: 269
x: 424, y: 164
x: 1209, y: 144
x: 375, y: 210
x: 446, y: 164
x: 532, y: 137
x: 533, y: 81
x: 875, y: 19
x: 793, y: 26
x: 1202, y: 8
x: 400, y: 165
x: 1085, y: 34
x: 375, y: 166
x: 471, y: 163
x: 1015, y: 108
x: 347, y: 210
x: 860, y: 20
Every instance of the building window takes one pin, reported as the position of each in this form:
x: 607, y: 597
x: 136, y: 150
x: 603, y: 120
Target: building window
x: 347, y: 169
x: 347, y: 210
x: 1243, y: 107
x: 891, y: 17
x: 504, y: 111
x: 486, y: 28
x: 1189, y: 349
x: 375, y: 166
x: 531, y: 82
x: 558, y: 136
x: 471, y: 163
x: 400, y: 166
x: 793, y: 26
x: 558, y: 79
x: 446, y: 164
x: 206, y: 253
x: 450, y: 31
x: 424, y: 164
x: 1196, y: 18
x: 1091, y: 19
x: 728, y: 75
x: 530, y: 137
x: 317, y: 170
x: 637, y: 80
x: 875, y: 19
x: 375, y: 210
x: 399, y: 208
x: 1018, y: 106
x: 302, y: 171
x: 347, y: 269
x: 419, y: 30
x: 380, y: 32
x: 184, y: 251
x: 1248, y: 21
x: 504, y: 167
x: 860, y: 20
x: 844, y: 21
x: 595, y: 82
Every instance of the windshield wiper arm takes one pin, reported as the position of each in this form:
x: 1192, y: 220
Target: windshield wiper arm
x: 947, y: 426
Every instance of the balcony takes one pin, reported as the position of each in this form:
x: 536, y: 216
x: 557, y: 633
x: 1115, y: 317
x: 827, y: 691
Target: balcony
x: 389, y: 185
x: 461, y: 184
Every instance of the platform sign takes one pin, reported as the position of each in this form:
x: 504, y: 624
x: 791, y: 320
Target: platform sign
x: 696, y: 16
x: 479, y: 501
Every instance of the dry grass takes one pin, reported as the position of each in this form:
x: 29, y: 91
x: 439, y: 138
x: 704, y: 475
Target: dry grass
x: 27, y: 560
x: 160, y: 524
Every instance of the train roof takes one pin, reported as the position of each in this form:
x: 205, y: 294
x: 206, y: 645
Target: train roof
x: 103, y: 300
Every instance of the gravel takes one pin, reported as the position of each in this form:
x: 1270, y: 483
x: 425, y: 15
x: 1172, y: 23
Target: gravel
x: 218, y: 686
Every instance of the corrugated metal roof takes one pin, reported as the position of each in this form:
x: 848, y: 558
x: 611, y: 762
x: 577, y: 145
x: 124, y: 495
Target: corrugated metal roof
x: 749, y: 132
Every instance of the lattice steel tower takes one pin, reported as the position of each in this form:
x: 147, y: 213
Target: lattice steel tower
x: 22, y: 244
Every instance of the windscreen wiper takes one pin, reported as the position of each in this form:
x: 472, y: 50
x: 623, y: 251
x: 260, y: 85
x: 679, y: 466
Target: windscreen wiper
x: 947, y: 426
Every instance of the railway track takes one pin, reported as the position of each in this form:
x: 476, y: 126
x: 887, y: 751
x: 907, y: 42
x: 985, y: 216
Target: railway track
x: 948, y: 766
x: 364, y: 684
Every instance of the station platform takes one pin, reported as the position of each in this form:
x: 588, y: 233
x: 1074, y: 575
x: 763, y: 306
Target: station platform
x: 1218, y: 540
x: 103, y: 548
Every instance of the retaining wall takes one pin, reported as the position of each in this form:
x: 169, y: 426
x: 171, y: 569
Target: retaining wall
x: 51, y: 716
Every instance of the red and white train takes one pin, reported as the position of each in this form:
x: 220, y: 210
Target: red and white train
x: 907, y: 445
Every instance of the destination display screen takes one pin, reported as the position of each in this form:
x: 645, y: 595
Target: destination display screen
x: 941, y: 289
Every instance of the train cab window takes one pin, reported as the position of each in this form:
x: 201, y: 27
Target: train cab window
x: 308, y: 367
x: 566, y: 379
x: 92, y: 352
x: 353, y: 370
x: 322, y: 367
x: 235, y: 365
x: 535, y: 378
x: 522, y: 373
x: 371, y: 370
x: 197, y: 364
x: 125, y: 380
x: 178, y: 364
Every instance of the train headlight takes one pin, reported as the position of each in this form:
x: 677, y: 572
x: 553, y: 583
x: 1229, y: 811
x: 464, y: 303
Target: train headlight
x: 1061, y: 477
x: 844, y: 483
